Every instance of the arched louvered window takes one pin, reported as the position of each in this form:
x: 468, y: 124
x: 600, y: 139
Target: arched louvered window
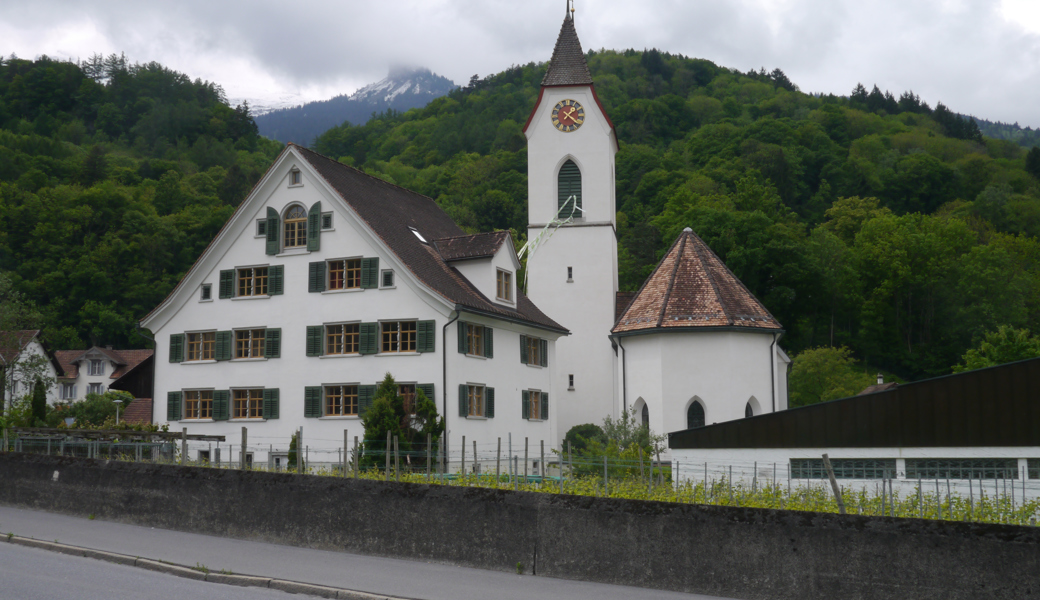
x: 748, y: 411
x: 646, y: 416
x: 569, y: 185
x: 695, y: 415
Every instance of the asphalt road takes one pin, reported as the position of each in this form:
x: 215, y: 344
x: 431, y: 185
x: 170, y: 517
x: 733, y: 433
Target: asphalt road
x: 32, y: 574
x: 408, y: 579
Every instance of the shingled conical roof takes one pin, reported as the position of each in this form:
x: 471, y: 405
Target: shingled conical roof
x: 692, y: 287
x: 568, y: 66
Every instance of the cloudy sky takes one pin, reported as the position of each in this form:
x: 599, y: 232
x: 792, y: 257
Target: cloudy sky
x: 977, y: 56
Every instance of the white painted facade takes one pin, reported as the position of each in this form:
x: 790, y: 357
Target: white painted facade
x: 18, y: 384
x: 238, y: 246
x: 93, y: 376
x: 717, y: 368
x: 585, y: 249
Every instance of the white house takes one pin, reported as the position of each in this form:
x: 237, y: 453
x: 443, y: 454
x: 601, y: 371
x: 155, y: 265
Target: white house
x: 96, y: 370
x: 325, y: 279
x: 23, y: 358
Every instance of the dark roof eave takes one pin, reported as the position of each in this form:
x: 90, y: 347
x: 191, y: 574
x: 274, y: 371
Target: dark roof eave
x: 459, y: 308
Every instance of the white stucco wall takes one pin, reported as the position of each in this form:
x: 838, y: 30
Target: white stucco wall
x: 297, y: 308
x: 33, y: 349
x: 83, y: 377
x: 584, y: 305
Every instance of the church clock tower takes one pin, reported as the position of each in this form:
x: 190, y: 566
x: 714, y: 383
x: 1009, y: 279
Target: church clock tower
x: 572, y: 270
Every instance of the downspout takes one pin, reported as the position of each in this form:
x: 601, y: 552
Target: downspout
x: 444, y: 381
x: 772, y: 370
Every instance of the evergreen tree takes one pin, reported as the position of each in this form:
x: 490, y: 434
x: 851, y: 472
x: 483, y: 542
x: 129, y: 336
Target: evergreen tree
x: 39, y: 404
x: 1033, y: 162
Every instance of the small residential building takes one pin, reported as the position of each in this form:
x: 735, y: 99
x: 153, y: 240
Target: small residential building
x: 97, y: 370
x: 957, y: 430
x: 23, y: 358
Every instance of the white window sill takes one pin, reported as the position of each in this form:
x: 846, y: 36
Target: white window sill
x: 570, y: 281
x: 534, y: 366
x: 392, y: 287
x: 537, y: 420
x: 476, y: 418
x: 248, y: 420
x: 293, y: 251
x: 257, y: 359
x: 352, y: 355
x: 196, y: 421
x: 340, y: 418
x: 476, y: 356
x: 344, y: 291
x: 398, y: 353
x: 295, y: 185
x: 206, y: 300
x: 198, y: 362
x: 264, y: 297
x: 260, y: 237
x: 570, y: 389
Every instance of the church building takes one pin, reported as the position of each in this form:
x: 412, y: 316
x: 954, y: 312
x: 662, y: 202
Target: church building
x: 326, y: 278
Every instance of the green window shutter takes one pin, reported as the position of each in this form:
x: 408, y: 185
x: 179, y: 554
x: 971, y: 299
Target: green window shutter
x: 525, y: 404
x: 312, y: 401
x: 314, y: 227
x: 177, y: 347
x: 463, y: 401
x: 272, y: 231
x: 544, y: 412
x: 462, y: 337
x: 427, y: 388
x: 369, y: 338
x: 273, y: 342
x: 316, y: 277
x: 569, y: 184
x: 489, y: 402
x: 370, y: 273
x: 426, y: 339
x: 365, y: 394
x: 221, y: 405
x: 275, y: 280
x: 227, y: 284
x: 223, y: 345
x: 315, y: 339
x: 173, y: 406
x: 523, y: 349
x: 271, y: 402
x: 543, y: 345
x: 489, y: 343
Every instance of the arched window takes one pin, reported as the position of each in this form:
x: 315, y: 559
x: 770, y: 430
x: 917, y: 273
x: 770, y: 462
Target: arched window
x: 695, y: 415
x: 296, y: 227
x: 569, y: 185
x: 646, y: 416
x: 748, y: 411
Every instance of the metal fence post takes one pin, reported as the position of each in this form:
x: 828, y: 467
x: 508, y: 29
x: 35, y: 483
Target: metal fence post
x: 397, y: 461
x: 541, y: 469
x: 356, y: 466
x: 476, y: 465
x: 242, y: 453
x: 429, y: 449
x: 525, y: 460
x: 498, y: 464
x: 462, y: 473
x: 184, y: 445
x: 346, y: 448
x: 386, y: 473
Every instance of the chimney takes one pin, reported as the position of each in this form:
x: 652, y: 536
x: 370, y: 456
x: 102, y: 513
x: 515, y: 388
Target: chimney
x: 880, y: 379
x: 110, y: 347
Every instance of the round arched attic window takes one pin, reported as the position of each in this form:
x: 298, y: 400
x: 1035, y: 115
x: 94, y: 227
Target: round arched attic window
x: 295, y: 227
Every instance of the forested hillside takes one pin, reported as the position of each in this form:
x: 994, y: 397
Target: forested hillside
x: 113, y: 178
x: 871, y: 221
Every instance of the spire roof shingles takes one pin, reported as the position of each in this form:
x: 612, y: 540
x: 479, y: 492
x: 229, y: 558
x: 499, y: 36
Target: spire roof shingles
x: 568, y: 66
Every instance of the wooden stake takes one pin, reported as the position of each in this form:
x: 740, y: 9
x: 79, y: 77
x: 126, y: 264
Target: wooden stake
x: 834, y: 484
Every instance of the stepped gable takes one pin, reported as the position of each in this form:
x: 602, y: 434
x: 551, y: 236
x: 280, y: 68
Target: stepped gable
x: 391, y: 211
x: 692, y: 288
x: 568, y: 66
x: 465, y: 247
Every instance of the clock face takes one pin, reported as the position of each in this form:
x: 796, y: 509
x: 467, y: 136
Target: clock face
x: 568, y: 115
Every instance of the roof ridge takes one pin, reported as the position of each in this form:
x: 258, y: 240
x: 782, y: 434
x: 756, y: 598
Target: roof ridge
x: 361, y: 172
x: 711, y: 278
x: 455, y: 237
x: 671, y: 282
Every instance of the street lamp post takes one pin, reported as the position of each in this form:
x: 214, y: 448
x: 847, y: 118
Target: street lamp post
x: 117, y: 403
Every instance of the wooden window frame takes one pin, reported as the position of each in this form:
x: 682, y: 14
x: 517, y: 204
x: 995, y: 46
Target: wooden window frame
x: 200, y: 345
x: 252, y: 281
x: 534, y: 351
x: 294, y: 229
x: 476, y: 401
x: 534, y: 406
x: 247, y: 403
x: 346, y: 277
x: 253, y: 342
x: 347, y: 340
x: 198, y: 405
x: 340, y: 400
x: 504, y: 285
x: 398, y: 337
x: 474, y: 339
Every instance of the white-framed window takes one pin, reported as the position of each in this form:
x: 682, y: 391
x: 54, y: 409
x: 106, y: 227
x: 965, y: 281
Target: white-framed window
x: 476, y: 401
x: 206, y: 292
x: 326, y: 220
x: 261, y: 228
x: 386, y: 278
x: 95, y: 388
x: 570, y: 382
x: 68, y: 391
x: 96, y: 367
x: 474, y: 339
x: 295, y: 177
x: 570, y: 274
x: 504, y: 285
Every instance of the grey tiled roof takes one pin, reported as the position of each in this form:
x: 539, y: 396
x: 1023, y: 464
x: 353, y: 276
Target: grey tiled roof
x: 568, y: 66
x: 692, y: 287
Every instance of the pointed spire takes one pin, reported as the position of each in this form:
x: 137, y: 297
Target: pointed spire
x: 692, y: 287
x: 568, y: 66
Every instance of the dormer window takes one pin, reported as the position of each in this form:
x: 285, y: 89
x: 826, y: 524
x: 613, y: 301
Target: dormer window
x: 97, y: 367
x: 296, y: 227
x: 295, y: 178
x: 504, y: 286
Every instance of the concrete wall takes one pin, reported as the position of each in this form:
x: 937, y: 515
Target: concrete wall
x: 745, y: 553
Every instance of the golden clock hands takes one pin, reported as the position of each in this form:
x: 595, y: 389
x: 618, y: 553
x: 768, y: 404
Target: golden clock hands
x: 570, y: 114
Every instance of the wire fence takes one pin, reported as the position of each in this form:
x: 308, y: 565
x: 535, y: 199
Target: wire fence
x: 1002, y: 495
